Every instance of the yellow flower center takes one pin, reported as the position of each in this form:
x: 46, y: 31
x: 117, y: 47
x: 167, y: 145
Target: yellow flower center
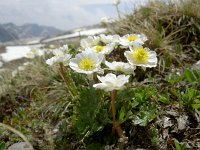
x: 140, y: 56
x: 87, y: 64
x: 132, y: 38
x: 99, y: 48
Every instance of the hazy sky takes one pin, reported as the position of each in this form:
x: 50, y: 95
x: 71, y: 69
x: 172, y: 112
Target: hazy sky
x: 63, y: 14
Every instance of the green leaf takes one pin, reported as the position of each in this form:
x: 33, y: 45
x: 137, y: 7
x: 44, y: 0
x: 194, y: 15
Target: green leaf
x: 89, y: 112
x: 196, y: 106
x: 145, y: 115
x: 183, y: 147
x: 2, y: 146
x: 192, y: 75
x: 177, y: 145
x: 189, y: 76
x: 121, y: 115
x: 164, y: 98
x: 190, y: 97
x: 197, y: 74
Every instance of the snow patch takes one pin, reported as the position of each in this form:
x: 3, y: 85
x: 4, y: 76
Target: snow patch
x: 16, y: 52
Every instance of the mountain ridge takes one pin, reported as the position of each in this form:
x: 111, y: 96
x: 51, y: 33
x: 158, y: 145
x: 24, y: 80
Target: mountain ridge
x: 11, y: 32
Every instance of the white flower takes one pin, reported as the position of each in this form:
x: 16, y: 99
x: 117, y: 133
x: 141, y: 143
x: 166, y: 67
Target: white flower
x: 87, y: 62
x: 61, y: 51
x: 98, y: 44
x: 111, y: 82
x: 116, y: 2
x: 60, y: 56
x: 133, y: 40
x: 141, y: 57
x: 35, y: 52
x: 59, y: 59
x: 51, y: 61
x: 109, y: 38
x: 121, y: 67
x: 90, y: 41
x: 14, y: 73
x: 103, y: 49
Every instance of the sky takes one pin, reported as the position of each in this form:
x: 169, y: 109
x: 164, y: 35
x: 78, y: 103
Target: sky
x: 62, y: 14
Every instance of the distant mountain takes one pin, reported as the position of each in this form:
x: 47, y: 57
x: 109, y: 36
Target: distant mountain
x: 6, y: 35
x: 11, y: 32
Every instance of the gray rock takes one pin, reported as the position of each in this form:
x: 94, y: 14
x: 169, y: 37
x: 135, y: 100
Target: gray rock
x: 197, y: 65
x: 1, y: 64
x: 182, y: 122
x: 19, y: 146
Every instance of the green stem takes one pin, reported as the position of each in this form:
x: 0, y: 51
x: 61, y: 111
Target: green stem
x: 65, y: 79
x: 71, y: 81
x: 113, y: 109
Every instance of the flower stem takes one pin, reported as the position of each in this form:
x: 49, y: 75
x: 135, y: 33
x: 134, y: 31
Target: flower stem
x: 113, y: 109
x: 71, y: 81
x: 62, y: 74
x: 95, y: 80
x: 116, y: 126
x: 118, y: 12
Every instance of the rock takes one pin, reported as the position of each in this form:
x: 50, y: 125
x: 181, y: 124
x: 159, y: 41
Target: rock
x: 1, y: 64
x: 167, y: 122
x: 19, y: 146
x: 197, y: 65
x: 182, y: 122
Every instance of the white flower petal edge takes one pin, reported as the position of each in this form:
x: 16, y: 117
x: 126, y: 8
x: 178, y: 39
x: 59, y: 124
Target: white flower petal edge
x: 112, y: 82
x: 121, y: 67
x: 87, y: 62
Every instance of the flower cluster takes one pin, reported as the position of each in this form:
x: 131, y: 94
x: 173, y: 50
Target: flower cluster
x: 35, y: 52
x: 61, y: 55
x: 94, y: 58
x: 95, y: 50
